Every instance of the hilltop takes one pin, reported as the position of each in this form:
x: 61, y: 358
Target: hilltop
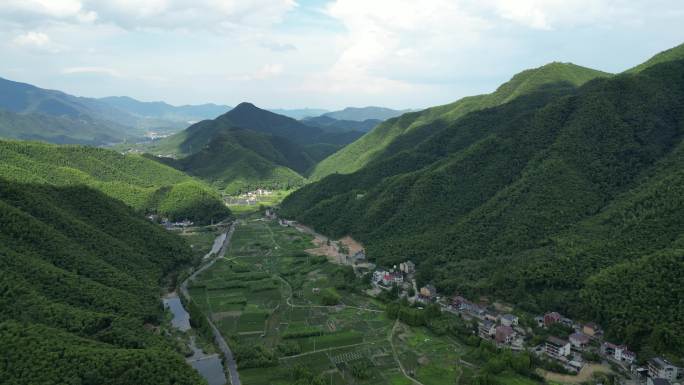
x: 249, y: 147
x: 361, y: 152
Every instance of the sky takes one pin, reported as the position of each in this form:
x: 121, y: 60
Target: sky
x: 319, y: 53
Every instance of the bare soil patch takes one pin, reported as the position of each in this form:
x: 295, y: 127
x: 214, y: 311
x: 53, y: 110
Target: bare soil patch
x: 584, y: 375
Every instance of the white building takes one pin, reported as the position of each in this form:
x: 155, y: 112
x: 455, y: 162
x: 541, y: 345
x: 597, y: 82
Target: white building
x: 407, y: 267
x: 509, y: 320
x: 557, y: 348
x: 659, y: 367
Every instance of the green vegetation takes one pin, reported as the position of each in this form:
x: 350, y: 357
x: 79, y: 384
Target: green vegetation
x: 55, y: 129
x: 243, y: 160
x: 141, y: 183
x: 561, y: 198
x: 672, y: 54
x: 361, y: 152
x: 249, y: 148
x: 294, y: 318
x: 79, y: 289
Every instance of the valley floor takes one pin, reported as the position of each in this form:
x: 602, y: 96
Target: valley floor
x: 291, y: 316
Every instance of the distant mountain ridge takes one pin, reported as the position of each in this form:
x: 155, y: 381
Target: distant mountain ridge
x: 360, y: 114
x: 249, y: 147
x: 165, y: 111
x: 359, y: 153
x: 299, y: 113
x: 335, y: 125
x: 30, y: 112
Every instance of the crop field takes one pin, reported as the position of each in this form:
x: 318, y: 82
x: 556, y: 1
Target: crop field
x: 267, y: 292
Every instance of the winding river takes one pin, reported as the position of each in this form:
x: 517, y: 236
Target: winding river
x: 209, y: 366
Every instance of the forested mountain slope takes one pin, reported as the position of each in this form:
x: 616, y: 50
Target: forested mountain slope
x: 674, y: 53
x: 81, y: 275
x: 143, y: 184
x: 56, y: 129
x: 361, y: 152
x: 249, y: 147
x: 240, y: 160
x: 546, y: 200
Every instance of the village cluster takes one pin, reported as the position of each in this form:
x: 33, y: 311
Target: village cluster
x: 249, y: 198
x: 505, y: 330
x: 168, y: 224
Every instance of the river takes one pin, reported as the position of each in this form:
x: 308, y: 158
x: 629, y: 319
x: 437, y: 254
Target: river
x: 209, y: 366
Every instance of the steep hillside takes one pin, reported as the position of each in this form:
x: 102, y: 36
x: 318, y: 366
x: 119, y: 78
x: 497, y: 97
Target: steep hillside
x: 544, y: 200
x: 249, y: 147
x: 79, y: 289
x: 359, y: 114
x: 143, y: 184
x: 675, y: 53
x: 361, y: 152
x: 241, y: 160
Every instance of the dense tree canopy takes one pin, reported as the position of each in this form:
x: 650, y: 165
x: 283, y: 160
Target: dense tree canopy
x: 548, y: 200
x: 81, y: 275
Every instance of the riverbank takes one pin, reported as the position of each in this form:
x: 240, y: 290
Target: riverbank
x: 219, y: 248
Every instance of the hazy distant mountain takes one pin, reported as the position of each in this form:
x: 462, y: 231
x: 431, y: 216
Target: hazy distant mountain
x: 165, y: 111
x: 365, y: 113
x: 69, y: 118
x: 335, y: 125
x: 300, y: 113
x: 30, y: 112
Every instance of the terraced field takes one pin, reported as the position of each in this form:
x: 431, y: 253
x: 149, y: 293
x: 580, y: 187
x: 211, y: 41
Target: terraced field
x: 289, y: 315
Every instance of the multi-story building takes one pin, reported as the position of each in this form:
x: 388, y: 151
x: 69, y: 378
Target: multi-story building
x: 659, y: 367
x: 557, y: 348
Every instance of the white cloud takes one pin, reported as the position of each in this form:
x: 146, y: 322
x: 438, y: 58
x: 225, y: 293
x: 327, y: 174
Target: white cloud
x: 152, y: 14
x: 551, y: 14
x: 93, y: 70
x: 35, y: 39
x: 387, y: 39
x: 37, y: 42
x: 24, y: 10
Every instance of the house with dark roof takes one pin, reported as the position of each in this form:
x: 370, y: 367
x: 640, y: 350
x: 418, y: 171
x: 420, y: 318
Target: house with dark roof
x: 504, y: 334
x: 557, y: 348
x: 579, y: 340
x: 486, y: 329
x: 659, y: 367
